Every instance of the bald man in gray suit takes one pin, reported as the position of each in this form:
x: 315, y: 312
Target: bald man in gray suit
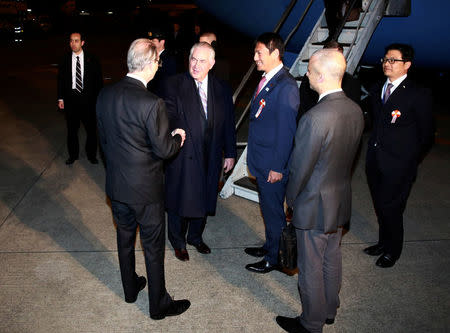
x: 319, y: 191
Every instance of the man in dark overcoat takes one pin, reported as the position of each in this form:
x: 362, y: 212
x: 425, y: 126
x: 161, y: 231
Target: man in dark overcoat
x: 202, y: 105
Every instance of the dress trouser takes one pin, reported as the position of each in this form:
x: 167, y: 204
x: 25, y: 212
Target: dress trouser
x: 319, y: 276
x: 178, y: 226
x: 271, y: 202
x: 78, y: 110
x: 150, y: 219
x: 390, y: 191
x: 332, y: 15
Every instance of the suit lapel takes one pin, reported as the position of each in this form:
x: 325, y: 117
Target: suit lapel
x: 266, y: 91
x: 192, y: 110
x: 86, y: 72
x: 397, y: 94
x: 192, y: 113
x: 211, y: 97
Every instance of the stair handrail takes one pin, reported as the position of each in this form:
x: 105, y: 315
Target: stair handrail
x: 343, y: 20
x: 247, y: 76
x: 358, y: 27
x: 252, y: 67
x: 299, y: 23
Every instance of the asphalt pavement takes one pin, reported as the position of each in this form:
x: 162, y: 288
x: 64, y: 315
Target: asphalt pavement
x: 58, y: 255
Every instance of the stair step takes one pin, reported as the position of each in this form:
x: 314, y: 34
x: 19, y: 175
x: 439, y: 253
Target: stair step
x: 345, y: 37
x: 322, y: 44
x: 246, y: 188
x: 247, y: 182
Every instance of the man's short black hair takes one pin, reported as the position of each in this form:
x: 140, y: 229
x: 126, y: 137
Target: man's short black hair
x: 272, y: 41
x: 406, y: 50
x: 77, y: 31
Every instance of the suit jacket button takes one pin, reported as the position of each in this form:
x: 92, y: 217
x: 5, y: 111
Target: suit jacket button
x: 375, y: 144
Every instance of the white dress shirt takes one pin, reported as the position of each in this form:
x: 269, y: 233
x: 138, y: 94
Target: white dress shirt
x: 395, y: 84
x: 327, y: 93
x: 271, y: 74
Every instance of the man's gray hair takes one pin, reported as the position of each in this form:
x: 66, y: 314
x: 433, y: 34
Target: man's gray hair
x: 205, y: 45
x: 140, y: 54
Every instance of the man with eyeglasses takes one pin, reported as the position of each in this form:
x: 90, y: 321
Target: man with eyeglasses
x: 201, y: 104
x: 402, y: 134
x: 135, y: 137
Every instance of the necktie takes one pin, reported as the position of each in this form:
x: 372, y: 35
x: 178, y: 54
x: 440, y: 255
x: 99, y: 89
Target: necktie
x: 260, y: 85
x: 202, y: 94
x: 78, y: 80
x: 387, y: 93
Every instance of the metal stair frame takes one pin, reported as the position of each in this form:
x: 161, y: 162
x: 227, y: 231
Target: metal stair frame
x: 363, y: 29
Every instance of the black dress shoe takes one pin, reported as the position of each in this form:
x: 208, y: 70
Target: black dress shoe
x: 182, y: 254
x: 201, y: 247
x: 291, y: 325
x: 256, y: 251
x: 374, y: 250
x: 141, y: 282
x: 175, y: 308
x: 329, y: 321
x: 93, y: 160
x: 261, y: 267
x: 385, y: 261
x: 70, y: 160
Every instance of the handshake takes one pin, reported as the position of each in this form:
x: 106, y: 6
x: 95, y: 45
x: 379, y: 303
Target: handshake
x: 181, y: 132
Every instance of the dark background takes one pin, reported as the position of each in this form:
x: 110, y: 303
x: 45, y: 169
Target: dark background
x: 110, y: 27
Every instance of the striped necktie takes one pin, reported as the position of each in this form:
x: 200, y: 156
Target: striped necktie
x: 387, y: 93
x: 78, y: 79
x: 203, y: 97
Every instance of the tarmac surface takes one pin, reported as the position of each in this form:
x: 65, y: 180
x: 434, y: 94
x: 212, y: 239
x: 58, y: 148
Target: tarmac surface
x: 58, y: 255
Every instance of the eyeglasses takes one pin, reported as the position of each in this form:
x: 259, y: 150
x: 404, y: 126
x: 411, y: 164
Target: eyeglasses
x: 391, y: 60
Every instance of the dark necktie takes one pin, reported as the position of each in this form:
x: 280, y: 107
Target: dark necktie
x: 78, y: 80
x: 387, y: 93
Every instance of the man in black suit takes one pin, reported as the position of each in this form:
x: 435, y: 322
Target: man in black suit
x: 135, y: 137
x: 168, y: 64
x: 401, y: 135
x: 79, y: 82
x: 202, y: 105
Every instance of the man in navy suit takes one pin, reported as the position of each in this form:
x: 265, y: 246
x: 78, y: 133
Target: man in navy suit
x: 202, y: 105
x: 271, y: 134
x: 402, y: 133
x: 78, y: 99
